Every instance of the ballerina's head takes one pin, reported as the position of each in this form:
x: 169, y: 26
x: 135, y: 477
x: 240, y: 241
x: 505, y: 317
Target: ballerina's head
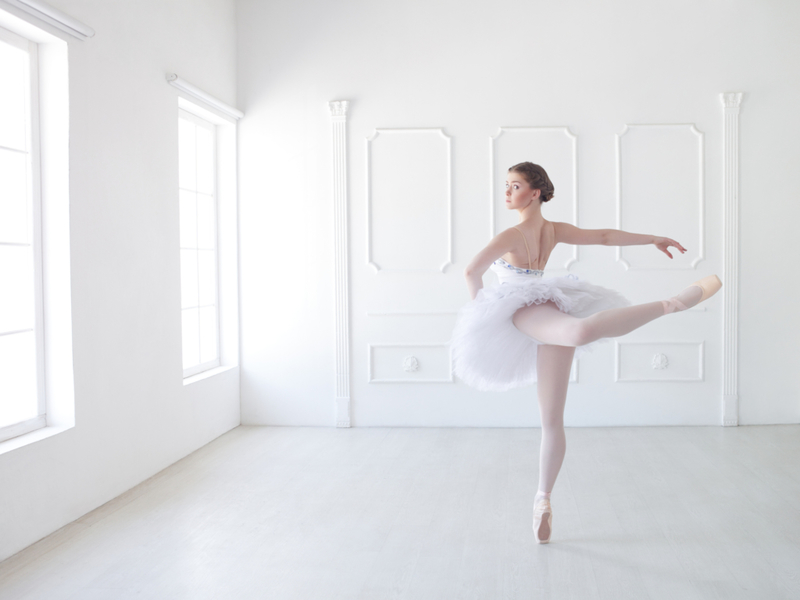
x: 525, y: 183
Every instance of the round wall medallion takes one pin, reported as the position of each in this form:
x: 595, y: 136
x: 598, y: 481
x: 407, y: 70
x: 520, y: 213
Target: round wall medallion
x: 660, y: 361
x: 410, y: 364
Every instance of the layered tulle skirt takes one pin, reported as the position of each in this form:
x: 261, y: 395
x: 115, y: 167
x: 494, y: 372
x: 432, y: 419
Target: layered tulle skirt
x: 490, y: 353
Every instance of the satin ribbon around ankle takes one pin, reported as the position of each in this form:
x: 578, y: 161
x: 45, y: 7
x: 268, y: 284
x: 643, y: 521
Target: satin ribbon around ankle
x: 672, y: 305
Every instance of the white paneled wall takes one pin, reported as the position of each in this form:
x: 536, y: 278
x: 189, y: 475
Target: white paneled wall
x: 661, y: 184
x: 409, y: 219
x: 628, y: 122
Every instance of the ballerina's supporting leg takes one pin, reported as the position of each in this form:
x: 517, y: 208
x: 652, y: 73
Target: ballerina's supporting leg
x: 549, y: 325
x: 553, y: 365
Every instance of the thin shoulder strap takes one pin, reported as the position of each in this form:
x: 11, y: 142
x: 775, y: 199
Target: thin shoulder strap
x: 526, y: 245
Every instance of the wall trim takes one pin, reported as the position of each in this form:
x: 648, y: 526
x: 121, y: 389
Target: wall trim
x: 371, y: 138
x: 449, y: 379
x: 700, y: 367
x: 338, y: 110
x: 205, y: 98
x: 53, y: 16
x: 731, y: 103
x: 702, y: 196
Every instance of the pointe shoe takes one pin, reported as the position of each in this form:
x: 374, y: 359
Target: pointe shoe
x: 709, y: 285
x: 542, y: 519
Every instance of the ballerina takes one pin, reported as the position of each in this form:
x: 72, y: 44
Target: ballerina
x: 529, y: 328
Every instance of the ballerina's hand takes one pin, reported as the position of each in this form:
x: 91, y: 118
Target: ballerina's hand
x: 662, y: 243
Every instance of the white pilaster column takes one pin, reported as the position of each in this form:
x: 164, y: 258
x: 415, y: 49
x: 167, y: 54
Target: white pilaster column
x: 730, y: 273
x: 338, y: 110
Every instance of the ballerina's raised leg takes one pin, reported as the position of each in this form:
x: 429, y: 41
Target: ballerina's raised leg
x: 546, y: 323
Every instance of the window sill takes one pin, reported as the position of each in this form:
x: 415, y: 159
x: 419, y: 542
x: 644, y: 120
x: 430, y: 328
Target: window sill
x: 30, y: 438
x: 209, y: 373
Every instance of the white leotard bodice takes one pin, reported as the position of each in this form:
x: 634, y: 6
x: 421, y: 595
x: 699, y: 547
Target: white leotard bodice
x: 508, y: 272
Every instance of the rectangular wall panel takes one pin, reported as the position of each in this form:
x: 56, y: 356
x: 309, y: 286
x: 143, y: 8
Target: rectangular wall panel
x: 408, y: 191
x: 660, y: 191
x: 407, y: 363
x: 659, y: 361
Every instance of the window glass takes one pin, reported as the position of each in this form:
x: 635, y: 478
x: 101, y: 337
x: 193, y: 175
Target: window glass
x: 198, y: 238
x: 20, y: 358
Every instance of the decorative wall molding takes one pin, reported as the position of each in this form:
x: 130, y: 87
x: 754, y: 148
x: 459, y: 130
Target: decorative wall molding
x: 493, y: 168
x: 53, y: 16
x: 731, y: 103
x: 410, y: 363
x: 661, y: 361
x: 338, y: 111
x: 701, y: 191
x: 449, y: 199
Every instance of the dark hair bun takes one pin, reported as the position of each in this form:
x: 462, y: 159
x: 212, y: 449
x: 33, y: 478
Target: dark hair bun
x: 537, y: 178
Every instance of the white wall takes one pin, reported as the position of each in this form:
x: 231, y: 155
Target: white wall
x: 471, y: 67
x: 133, y: 414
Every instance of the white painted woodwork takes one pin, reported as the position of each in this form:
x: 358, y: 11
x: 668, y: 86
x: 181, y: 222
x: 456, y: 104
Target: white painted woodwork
x: 46, y: 13
x: 409, y: 215
x: 661, y: 187
x: 338, y: 109
x: 730, y: 293
x: 205, y: 98
x: 401, y: 72
x: 659, y: 361
x: 406, y: 363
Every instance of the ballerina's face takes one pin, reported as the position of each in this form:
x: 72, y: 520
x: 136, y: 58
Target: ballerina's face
x: 518, y: 191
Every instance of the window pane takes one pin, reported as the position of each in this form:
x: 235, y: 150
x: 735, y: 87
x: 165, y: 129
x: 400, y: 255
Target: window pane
x: 18, y: 400
x: 188, y: 278
x: 205, y: 160
x: 191, y: 340
x: 207, y: 271
x: 186, y: 155
x: 13, y: 197
x: 208, y: 333
x: 206, y: 234
x: 188, y: 219
x: 13, y: 115
x: 16, y: 283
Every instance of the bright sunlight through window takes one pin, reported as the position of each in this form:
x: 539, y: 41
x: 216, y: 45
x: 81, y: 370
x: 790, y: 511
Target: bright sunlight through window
x: 22, y: 404
x: 198, y: 222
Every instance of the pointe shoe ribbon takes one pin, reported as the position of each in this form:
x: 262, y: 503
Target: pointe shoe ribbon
x: 672, y: 305
x: 708, y: 286
x: 542, y: 511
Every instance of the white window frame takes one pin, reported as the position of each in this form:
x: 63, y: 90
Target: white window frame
x: 35, y: 228
x: 51, y: 231
x: 214, y: 363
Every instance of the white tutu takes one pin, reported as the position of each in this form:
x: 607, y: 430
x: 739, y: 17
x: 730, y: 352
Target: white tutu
x: 489, y: 352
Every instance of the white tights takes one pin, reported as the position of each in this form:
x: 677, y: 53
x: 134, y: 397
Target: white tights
x: 560, y: 333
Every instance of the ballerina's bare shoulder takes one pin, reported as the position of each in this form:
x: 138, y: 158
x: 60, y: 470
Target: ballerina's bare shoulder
x: 541, y: 239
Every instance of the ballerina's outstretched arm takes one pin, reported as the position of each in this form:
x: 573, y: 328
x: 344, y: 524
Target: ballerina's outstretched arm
x: 569, y: 234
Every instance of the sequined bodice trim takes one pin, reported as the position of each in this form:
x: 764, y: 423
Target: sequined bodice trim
x: 506, y: 265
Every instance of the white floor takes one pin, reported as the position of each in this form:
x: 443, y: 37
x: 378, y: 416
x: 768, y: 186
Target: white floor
x: 314, y: 513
